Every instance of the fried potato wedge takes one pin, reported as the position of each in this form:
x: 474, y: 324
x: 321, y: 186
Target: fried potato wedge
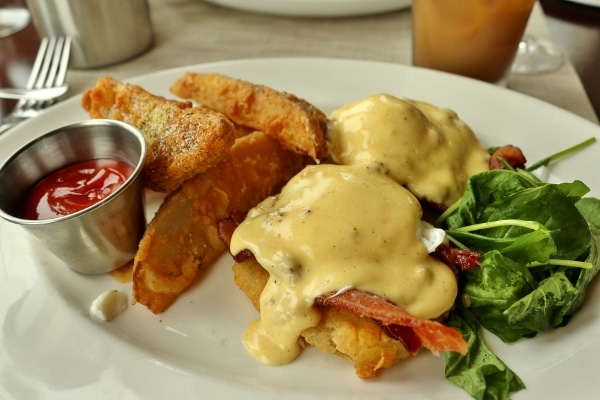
x: 296, y: 123
x: 182, y: 140
x: 340, y: 332
x: 183, y: 236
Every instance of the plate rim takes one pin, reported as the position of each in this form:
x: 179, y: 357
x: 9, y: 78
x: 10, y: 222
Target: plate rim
x: 315, y: 8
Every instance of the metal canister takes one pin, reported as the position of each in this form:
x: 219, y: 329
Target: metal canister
x: 103, y: 32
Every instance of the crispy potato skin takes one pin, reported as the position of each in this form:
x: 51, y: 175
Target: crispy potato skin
x: 182, y: 140
x: 183, y: 235
x: 340, y: 332
x: 297, y: 124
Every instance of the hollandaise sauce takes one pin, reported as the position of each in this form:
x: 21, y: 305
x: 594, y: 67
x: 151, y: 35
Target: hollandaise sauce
x: 334, y: 228
x: 428, y: 149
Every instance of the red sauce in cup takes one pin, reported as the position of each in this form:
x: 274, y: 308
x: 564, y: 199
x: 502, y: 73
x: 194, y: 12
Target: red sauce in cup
x: 75, y: 188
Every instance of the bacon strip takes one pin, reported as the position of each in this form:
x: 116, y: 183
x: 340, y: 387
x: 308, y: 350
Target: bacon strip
x: 434, y: 336
x: 225, y: 229
x: 464, y: 259
x: 405, y: 335
x: 509, y: 153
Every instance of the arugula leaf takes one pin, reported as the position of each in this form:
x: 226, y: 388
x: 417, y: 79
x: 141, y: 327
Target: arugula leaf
x: 480, y: 373
x: 482, y: 189
x: 492, y: 288
x: 529, y: 234
x: 556, y: 298
x: 589, y: 207
x: 535, y: 246
x: 551, y: 205
x: 546, y: 307
x: 540, y: 249
x: 586, y: 276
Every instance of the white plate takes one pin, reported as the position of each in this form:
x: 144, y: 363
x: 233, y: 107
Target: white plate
x: 591, y: 3
x: 315, y: 8
x: 50, y: 348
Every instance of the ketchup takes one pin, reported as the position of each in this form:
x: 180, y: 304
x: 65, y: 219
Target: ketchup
x: 75, y: 188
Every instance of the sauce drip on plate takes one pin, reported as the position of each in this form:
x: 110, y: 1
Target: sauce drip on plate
x: 75, y: 188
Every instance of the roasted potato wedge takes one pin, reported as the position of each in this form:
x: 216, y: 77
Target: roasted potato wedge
x: 296, y: 123
x: 182, y: 140
x: 183, y: 235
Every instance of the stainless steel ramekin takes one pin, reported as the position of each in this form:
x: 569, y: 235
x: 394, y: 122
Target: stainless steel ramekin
x: 103, y: 236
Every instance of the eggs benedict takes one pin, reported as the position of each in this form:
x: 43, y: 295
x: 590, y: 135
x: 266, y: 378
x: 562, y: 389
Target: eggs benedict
x: 425, y: 148
x: 335, y: 230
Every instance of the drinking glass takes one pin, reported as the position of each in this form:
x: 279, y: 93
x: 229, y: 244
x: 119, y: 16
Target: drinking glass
x: 475, y: 38
x: 536, y: 55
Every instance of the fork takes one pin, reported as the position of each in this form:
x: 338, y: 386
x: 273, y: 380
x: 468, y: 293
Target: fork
x: 34, y: 94
x: 49, y: 70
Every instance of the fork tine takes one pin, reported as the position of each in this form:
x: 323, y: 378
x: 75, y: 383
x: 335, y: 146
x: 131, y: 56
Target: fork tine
x: 35, y: 71
x: 47, y: 64
x: 37, y: 64
x: 42, y: 71
x: 49, y: 70
x: 46, y: 71
x: 52, y: 71
x: 56, y: 66
x: 63, y: 62
x: 56, y: 70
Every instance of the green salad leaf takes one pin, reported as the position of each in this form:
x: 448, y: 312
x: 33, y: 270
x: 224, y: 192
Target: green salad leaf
x: 480, y: 373
x: 539, y: 250
x: 590, y: 209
